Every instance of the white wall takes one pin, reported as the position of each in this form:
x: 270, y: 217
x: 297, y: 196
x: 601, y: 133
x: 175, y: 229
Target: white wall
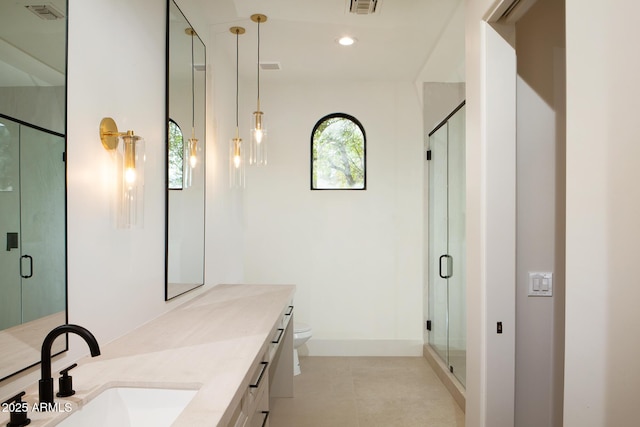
x: 445, y: 62
x: 540, y: 213
x: 490, y: 113
x: 356, y: 256
x: 225, y: 207
x: 602, y: 375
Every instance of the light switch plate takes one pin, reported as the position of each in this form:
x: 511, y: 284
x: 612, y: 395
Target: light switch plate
x: 540, y: 284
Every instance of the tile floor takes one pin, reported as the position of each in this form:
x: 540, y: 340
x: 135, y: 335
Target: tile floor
x: 366, y: 392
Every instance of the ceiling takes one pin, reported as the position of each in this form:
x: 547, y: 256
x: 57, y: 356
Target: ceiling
x: 394, y: 43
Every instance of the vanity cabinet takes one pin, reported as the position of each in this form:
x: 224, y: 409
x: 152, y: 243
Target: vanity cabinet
x: 271, y: 375
x: 231, y: 343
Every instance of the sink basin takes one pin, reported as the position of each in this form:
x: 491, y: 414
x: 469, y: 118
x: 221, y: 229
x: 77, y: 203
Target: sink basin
x: 131, y: 407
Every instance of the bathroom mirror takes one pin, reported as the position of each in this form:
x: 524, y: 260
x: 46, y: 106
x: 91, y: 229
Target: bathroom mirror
x: 32, y: 179
x: 186, y: 85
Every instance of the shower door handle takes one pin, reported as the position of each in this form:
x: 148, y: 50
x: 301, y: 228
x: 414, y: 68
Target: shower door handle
x: 449, y: 266
x: 26, y: 276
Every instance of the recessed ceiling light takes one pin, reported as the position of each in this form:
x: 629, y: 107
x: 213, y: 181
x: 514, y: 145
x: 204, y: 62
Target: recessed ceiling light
x: 346, y: 41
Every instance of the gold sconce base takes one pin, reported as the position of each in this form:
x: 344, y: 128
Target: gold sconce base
x: 237, y: 30
x: 109, y: 133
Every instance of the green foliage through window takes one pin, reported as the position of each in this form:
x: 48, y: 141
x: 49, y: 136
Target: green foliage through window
x: 338, y: 153
x: 176, y: 156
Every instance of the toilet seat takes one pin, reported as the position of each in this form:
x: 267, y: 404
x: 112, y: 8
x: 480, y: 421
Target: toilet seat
x: 301, y: 328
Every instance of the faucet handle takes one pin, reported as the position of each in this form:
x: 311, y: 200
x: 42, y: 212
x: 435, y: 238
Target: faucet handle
x: 65, y: 382
x: 18, y: 409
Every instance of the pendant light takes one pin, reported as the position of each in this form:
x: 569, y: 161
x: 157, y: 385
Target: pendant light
x: 258, y: 147
x: 190, y: 157
x: 236, y: 152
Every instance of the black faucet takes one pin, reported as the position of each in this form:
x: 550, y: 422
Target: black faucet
x: 46, y: 382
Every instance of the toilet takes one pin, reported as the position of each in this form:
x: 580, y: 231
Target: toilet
x: 301, y: 333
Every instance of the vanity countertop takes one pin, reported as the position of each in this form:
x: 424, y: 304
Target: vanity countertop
x: 208, y: 343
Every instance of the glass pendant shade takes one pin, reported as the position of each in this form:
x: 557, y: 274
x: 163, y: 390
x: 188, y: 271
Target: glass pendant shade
x: 236, y: 163
x: 258, y: 147
x: 190, y: 161
x: 190, y: 154
x: 258, y: 144
x: 131, y: 195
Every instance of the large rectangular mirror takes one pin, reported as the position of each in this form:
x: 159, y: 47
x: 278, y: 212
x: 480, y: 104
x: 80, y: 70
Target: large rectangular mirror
x: 32, y: 179
x: 186, y: 85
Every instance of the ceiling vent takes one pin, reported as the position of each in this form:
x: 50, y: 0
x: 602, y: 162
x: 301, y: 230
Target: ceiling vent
x: 46, y: 11
x: 363, y: 7
x: 270, y: 66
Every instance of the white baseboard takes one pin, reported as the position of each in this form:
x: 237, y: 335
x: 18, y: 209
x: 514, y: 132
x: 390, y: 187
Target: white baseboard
x: 318, y: 347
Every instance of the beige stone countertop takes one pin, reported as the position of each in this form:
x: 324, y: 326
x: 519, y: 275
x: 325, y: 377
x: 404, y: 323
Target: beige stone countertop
x: 208, y: 343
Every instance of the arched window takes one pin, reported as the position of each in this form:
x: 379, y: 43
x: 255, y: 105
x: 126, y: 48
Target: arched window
x: 338, y: 144
x: 176, y: 154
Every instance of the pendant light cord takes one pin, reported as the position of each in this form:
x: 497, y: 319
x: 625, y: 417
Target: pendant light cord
x: 259, y: 64
x: 237, y: 75
x: 193, y: 92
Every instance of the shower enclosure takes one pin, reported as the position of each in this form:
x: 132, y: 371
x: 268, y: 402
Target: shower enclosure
x: 447, y: 285
x: 32, y: 222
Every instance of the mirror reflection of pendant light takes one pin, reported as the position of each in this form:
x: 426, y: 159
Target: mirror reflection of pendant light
x: 236, y: 152
x: 190, y: 156
x: 258, y: 148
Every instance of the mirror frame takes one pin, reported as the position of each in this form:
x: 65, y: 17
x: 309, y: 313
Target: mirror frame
x: 167, y: 295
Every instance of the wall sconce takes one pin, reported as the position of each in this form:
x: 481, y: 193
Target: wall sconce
x: 130, y: 158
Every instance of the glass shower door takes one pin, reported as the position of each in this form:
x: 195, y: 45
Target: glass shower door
x: 32, y: 223
x: 42, y: 223
x: 447, y: 263
x: 438, y: 242
x: 457, y: 289
x: 11, y: 300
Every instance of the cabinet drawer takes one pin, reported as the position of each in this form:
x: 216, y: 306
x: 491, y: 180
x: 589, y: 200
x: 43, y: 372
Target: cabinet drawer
x: 260, y: 419
x: 239, y: 417
x: 260, y: 415
x: 280, y: 329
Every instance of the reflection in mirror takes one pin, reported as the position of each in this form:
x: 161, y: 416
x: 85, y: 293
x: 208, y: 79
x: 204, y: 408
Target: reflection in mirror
x: 32, y: 180
x: 185, y: 160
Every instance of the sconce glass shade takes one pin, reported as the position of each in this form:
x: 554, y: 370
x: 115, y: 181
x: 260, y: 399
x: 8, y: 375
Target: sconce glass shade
x: 130, y: 199
x: 258, y: 146
x: 236, y: 163
x: 190, y: 161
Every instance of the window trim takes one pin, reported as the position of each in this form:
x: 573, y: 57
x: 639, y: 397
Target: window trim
x: 168, y: 158
x: 364, y: 151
